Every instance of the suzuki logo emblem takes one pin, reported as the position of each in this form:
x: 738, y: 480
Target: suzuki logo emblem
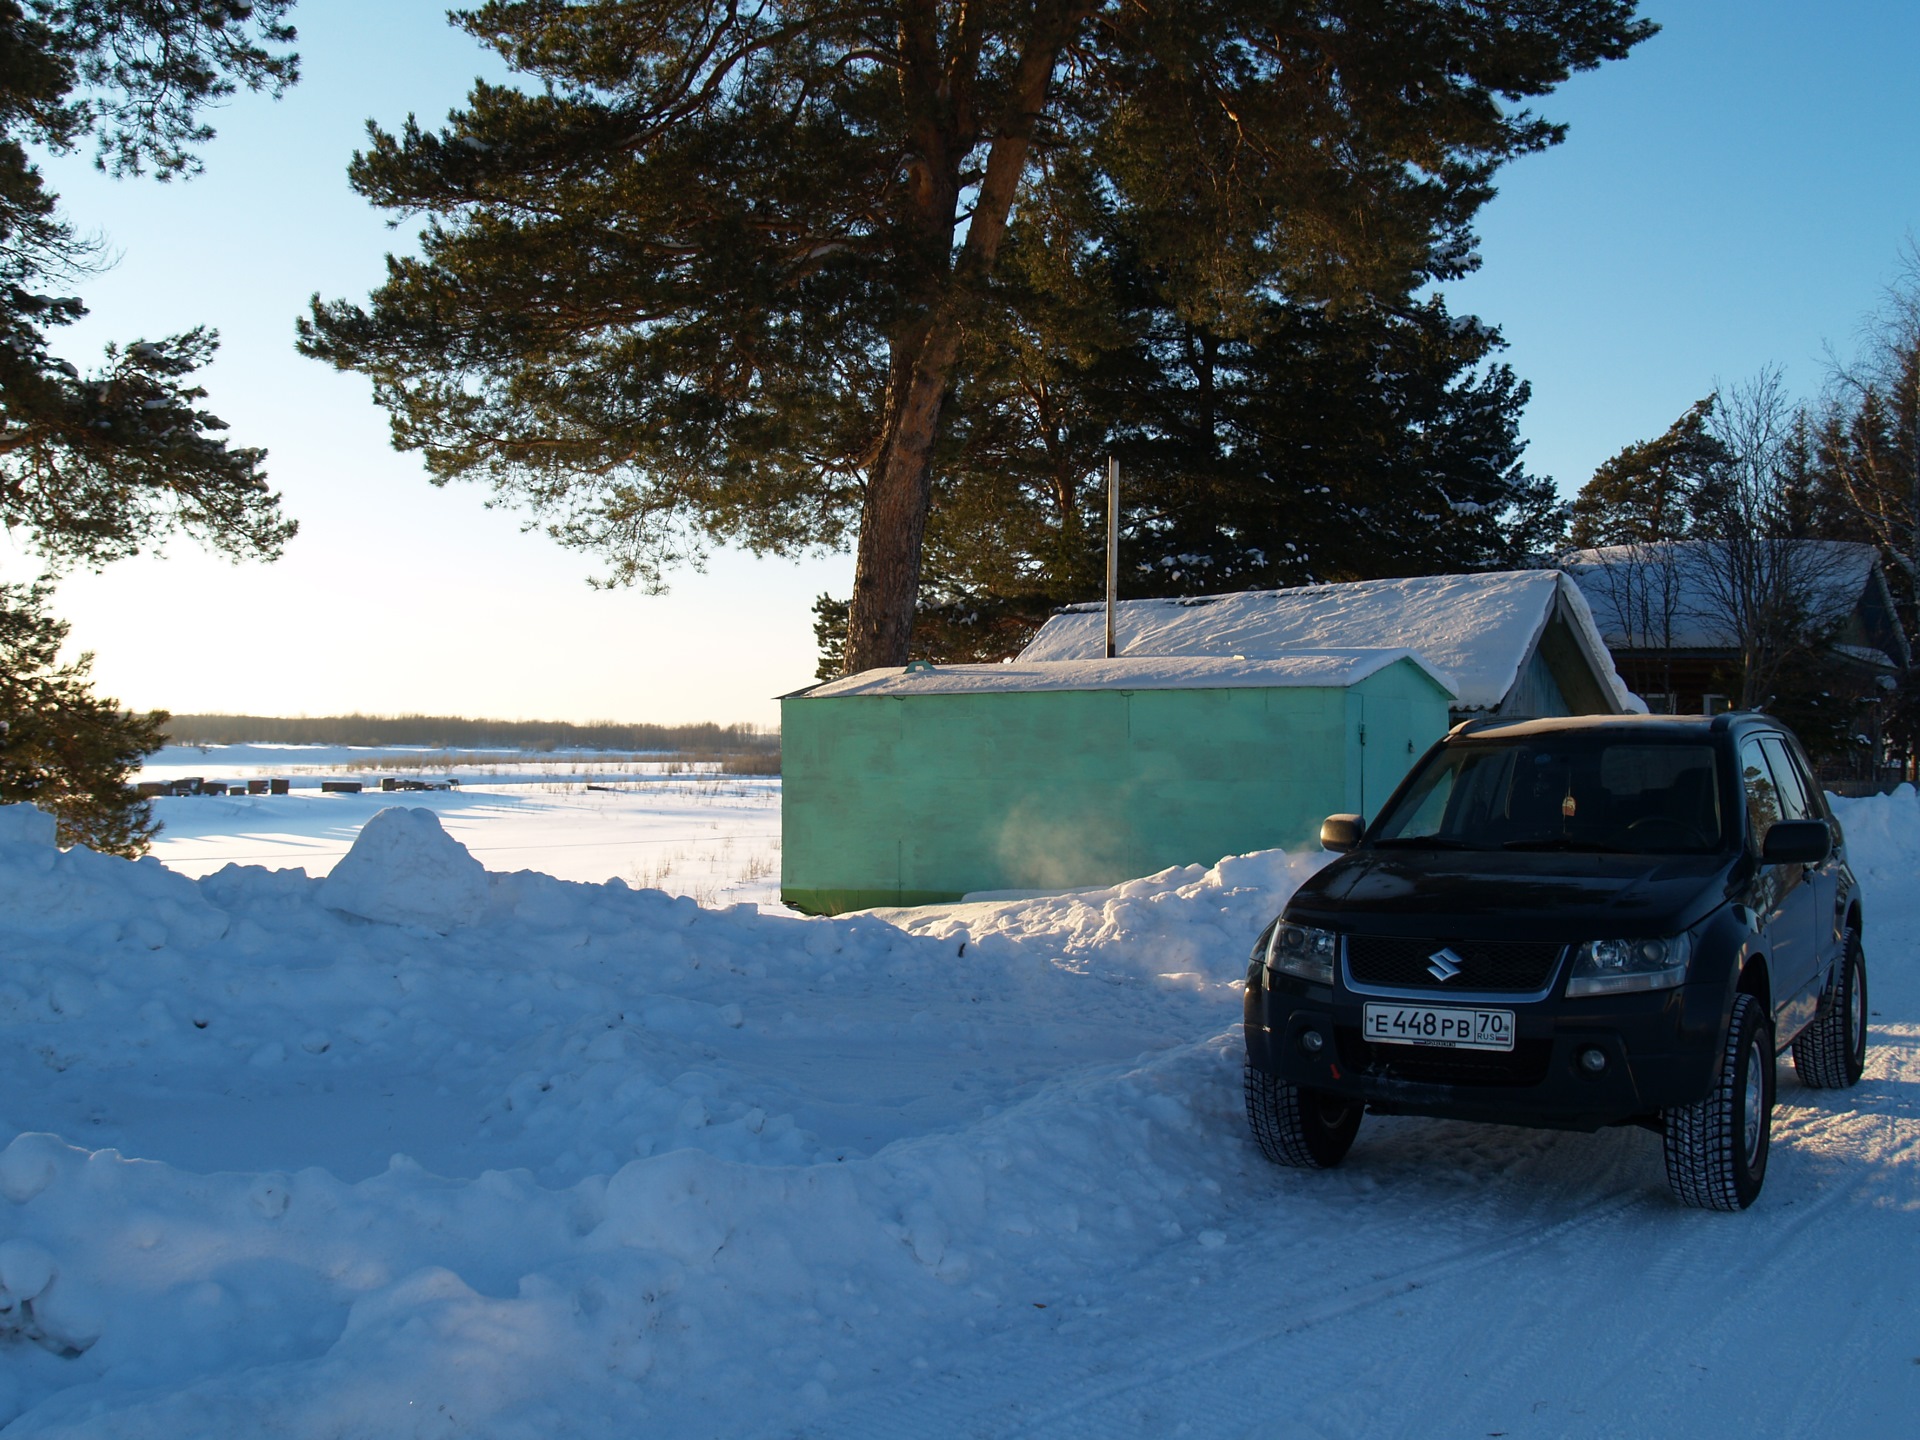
x: 1443, y: 964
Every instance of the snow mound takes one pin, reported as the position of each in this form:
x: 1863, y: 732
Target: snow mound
x: 91, y: 900
x: 405, y: 870
x: 666, y: 1152
x: 26, y: 827
x: 694, y: 1172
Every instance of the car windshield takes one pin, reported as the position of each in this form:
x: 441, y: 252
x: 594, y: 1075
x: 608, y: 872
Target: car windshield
x: 1598, y: 793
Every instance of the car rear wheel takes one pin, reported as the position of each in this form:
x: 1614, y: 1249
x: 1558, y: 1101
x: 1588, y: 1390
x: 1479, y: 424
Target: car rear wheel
x: 1831, y: 1053
x: 1717, y: 1147
x: 1297, y: 1126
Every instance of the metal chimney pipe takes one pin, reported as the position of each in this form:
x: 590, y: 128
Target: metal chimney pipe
x: 1113, y: 544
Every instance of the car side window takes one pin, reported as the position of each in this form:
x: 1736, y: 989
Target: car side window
x: 1763, y: 796
x: 1795, y: 803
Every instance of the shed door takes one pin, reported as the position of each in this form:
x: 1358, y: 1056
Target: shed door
x: 1387, y: 748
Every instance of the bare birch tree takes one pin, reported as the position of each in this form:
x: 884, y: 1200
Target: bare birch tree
x: 1871, y: 428
x: 1774, y: 596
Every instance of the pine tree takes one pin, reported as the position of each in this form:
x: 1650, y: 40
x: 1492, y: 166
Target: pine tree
x: 62, y: 747
x: 716, y: 274
x: 1653, y: 489
x: 96, y: 466
x: 1345, y: 446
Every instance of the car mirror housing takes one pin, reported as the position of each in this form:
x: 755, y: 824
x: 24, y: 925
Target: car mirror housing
x: 1340, y: 833
x: 1797, y: 842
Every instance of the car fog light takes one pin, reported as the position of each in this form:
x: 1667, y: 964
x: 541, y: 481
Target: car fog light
x: 1592, y: 1061
x: 1313, y: 1042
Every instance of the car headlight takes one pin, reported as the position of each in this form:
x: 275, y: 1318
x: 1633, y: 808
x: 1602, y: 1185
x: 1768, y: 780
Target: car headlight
x: 1303, y: 951
x: 1613, y: 967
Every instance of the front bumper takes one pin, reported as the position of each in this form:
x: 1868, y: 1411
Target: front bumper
x: 1661, y: 1047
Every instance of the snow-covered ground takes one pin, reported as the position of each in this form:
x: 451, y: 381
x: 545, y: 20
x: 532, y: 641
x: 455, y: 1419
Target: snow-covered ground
x: 427, y: 1149
x: 656, y: 824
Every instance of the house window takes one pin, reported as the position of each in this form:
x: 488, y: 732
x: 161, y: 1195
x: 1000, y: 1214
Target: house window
x: 1711, y: 704
x: 1659, y: 702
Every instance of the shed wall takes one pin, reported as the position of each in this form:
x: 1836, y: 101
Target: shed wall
x: 901, y: 800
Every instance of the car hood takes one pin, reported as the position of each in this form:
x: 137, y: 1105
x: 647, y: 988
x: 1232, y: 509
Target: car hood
x: 1474, y: 894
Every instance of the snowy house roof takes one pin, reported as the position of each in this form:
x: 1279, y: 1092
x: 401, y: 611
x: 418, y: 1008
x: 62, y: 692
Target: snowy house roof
x: 1479, y: 630
x: 1672, y: 595
x: 1330, y: 668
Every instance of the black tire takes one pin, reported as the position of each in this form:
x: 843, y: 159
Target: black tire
x: 1717, y: 1147
x: 1308, y: 1129
x: 1831, y: 1053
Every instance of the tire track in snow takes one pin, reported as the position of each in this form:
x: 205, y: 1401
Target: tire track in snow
x: 1730, y: 1299
x: 949, y: 1403
x: 1653, y: 1274
x: 1670, y: 1328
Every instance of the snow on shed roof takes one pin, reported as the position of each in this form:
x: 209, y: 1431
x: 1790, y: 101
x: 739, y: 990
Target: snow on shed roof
x: 1672, y: 595
x: 1477, y: 629
x: 1332, y: 668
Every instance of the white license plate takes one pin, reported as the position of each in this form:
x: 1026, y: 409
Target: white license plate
x: 1459, y: 1029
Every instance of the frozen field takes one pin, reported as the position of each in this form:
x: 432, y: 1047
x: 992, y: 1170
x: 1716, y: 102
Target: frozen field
x: 654, y: 824
x: 423, y: 1150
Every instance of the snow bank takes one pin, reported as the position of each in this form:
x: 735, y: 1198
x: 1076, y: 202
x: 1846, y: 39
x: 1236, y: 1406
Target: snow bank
x: 609, y: 1164
x: 646, y: 1152
x: 1883, y: 839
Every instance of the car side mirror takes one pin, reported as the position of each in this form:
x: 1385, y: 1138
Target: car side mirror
x: 1797, y: 842
x: 1340, y: 833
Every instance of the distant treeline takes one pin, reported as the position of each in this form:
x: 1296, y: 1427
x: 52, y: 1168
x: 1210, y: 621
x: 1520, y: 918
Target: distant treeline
x: 458, y: 731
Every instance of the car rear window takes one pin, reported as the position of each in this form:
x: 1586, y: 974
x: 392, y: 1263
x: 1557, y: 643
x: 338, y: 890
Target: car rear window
x: 1563, y: 792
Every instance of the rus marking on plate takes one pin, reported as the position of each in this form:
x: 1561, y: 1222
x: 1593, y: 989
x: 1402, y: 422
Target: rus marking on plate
x: 1443, y: 964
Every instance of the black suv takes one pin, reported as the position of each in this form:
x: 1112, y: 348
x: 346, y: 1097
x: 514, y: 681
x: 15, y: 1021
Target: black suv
x: 1569, y: 923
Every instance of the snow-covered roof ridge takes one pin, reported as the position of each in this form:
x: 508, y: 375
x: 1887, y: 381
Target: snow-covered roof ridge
x: 1477, y: 629
x: 1332, y: 667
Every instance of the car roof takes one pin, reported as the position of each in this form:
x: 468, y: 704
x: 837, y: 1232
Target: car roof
x: 1674, y: 727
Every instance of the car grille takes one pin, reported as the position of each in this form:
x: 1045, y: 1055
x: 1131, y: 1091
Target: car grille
x: 1398, y: 963
x: 1525, y: 1064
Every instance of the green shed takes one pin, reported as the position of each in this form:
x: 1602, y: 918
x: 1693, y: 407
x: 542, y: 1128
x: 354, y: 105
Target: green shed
x: 923, y: 785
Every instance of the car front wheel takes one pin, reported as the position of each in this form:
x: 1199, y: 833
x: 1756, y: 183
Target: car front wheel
x: 1297, y: 1126
x: 1717, y: 1147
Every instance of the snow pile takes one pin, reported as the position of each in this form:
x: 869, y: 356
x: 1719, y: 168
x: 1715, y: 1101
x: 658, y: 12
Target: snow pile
x: 92, y: 900
x: 404, y: 869
x: 607, y: 1163
x: 24, y: 828
x: 648, y: 1152
x: 1187, y: 927
x: 1883, y: 840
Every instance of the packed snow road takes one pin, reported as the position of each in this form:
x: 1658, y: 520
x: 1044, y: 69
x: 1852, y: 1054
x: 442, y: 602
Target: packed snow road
x: 974, y: 1171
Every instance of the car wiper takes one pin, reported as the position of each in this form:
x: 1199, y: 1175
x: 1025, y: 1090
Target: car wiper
x: 1567, y: 842
x: 1428, y: 842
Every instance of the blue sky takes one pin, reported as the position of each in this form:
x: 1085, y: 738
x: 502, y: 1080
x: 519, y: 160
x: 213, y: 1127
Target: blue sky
x: 1735, y: 194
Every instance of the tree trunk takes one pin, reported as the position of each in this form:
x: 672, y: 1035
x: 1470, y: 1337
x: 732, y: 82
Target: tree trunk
x: 893, y: 517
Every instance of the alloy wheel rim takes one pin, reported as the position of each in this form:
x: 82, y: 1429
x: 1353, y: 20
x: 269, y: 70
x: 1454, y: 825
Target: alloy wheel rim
x: 1754, y: 1105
